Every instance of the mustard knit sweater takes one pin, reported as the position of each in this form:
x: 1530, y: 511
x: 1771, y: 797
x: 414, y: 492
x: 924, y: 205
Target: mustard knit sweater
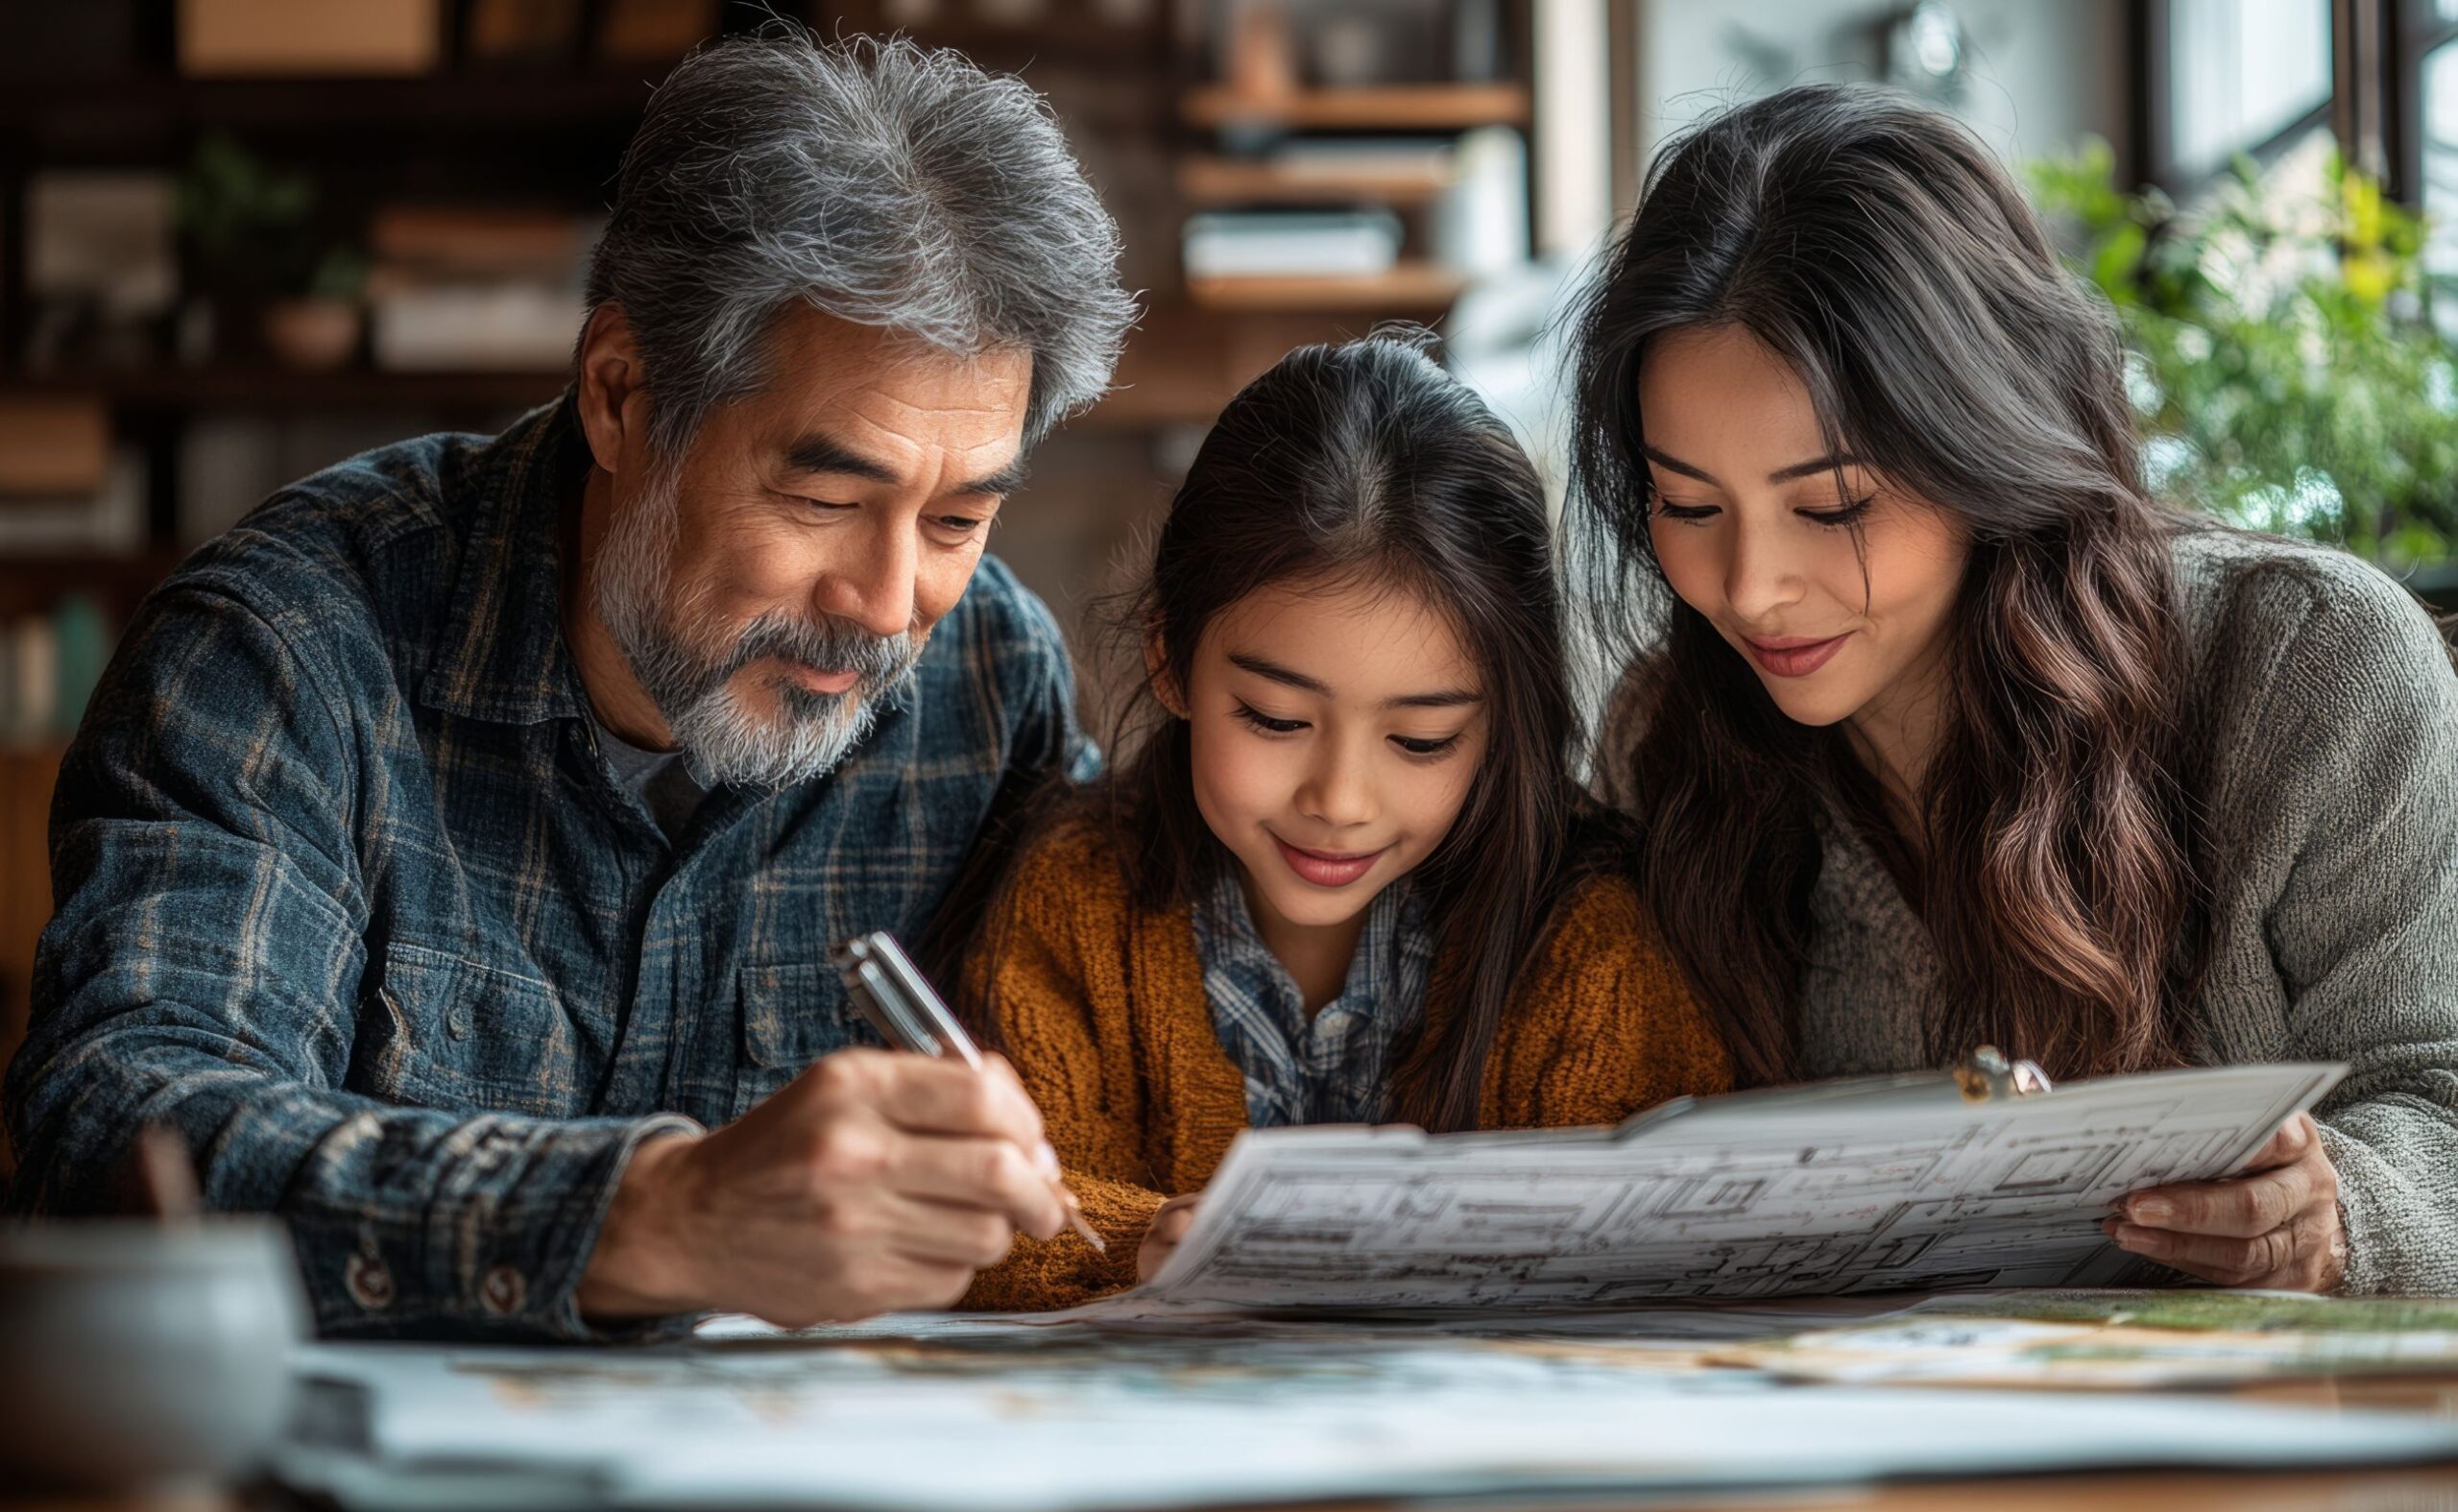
x: 1102, y: 1007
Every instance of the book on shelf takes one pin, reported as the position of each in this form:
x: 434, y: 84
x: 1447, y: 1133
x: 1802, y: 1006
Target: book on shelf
x: 49, y: 667
x: 109, y: 517
x: 1233, y: 244
x: 53, y: 445
x: 476, y: 288
x: 262, y: 37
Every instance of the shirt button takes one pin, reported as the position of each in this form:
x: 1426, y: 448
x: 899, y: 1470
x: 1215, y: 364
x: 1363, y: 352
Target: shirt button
x: 370, y: 1282
x: 502, y: 1291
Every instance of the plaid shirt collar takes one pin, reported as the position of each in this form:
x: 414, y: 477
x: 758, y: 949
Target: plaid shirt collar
x: 1330, y: 1068
x: 501, y: 656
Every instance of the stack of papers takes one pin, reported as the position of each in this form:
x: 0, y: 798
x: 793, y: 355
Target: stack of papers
x: 988, y: 1414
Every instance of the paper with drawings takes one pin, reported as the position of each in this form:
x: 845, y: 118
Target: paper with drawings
x: 1887, y: 1184
x: 917, y: 1417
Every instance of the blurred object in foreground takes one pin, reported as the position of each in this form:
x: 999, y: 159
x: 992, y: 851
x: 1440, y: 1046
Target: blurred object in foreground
x: 142, y: 1358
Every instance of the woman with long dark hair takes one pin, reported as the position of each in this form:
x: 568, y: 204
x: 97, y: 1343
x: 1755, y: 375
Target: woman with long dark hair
x: 1338, y: 876
x: 1941, y: 732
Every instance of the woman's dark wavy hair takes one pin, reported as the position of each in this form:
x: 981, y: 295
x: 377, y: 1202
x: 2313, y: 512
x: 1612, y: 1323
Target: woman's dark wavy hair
x: 1878, y: 249
x: 1365, y: 463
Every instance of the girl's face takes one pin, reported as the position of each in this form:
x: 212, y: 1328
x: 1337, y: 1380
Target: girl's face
x: 1753, y: 532
x: 1334, y: 733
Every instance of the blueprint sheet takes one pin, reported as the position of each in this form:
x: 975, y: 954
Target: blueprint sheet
x: 1839, y: 1187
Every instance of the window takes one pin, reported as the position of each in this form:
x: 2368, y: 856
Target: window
x: 2431, y: 168
x: 2232, y: 77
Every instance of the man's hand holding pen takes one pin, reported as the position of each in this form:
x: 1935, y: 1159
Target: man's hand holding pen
x: 872, y: 1183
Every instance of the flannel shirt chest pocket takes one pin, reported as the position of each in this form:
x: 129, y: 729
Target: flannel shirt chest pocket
x: 792, y: 1015
x: 458, y: 1035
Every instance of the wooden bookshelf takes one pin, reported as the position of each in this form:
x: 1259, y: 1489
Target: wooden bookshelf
x: 300, y: 389
x: 1229, y: 181
x: 1398, y: 108
x: 1408, y: 288
x: 26, y: 777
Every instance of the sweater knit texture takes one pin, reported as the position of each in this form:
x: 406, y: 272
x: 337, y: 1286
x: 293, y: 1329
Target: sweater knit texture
x: 2324, y: 715
x: 1101, y: 1006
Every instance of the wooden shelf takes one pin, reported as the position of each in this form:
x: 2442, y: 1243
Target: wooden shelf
x: 167, y: 387
x: 466, y: 99
x: 1401, y: 108
x: 31, y: 583
x: 1230, y: 181
x: 1409, y: 288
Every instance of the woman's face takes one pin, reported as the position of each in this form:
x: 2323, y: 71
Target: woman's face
x: 1753, y: 532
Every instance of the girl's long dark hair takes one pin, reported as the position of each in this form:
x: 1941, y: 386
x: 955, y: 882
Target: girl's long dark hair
x: 1877, y: 247
x: 1366, y: 463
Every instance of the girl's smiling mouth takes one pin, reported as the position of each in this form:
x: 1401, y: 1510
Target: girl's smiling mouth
x: 1327, y: 868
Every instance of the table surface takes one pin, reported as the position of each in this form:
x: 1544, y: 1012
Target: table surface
x: 2432, y: 1488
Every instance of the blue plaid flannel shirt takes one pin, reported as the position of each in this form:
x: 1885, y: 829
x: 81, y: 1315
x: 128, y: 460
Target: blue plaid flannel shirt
x: 348, y: 897
x: 1332, y: 1068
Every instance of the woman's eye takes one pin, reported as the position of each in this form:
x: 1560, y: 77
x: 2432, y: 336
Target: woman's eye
x: 1257, y: 719
x: 1837, y: 518
x: 1690, y: 512
x: 1419, y: 746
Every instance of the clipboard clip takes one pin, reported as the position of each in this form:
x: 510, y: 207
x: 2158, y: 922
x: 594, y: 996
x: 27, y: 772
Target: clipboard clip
x: 1986, y: 1073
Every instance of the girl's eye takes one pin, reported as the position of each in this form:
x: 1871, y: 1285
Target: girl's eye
x: 1257, y: 719
x: 1837, y: 518
x: 1689, y: 511
x: 1417, y: 746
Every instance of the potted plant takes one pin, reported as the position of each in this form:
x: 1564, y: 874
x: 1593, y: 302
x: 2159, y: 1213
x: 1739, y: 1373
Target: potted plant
x: 2283, y: 356
x: 255, y: 249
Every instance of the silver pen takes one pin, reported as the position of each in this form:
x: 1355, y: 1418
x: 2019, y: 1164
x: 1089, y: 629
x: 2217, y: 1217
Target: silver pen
x: 900, y: 1004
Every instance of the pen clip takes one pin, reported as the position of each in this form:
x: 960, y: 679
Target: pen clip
x: 899, y: 1002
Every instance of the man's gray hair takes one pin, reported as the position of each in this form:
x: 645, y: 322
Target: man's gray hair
x: 883, y: 184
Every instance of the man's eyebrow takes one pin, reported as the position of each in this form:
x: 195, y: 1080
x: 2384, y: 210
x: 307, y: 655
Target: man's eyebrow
x: 1265, y: 667
x: 996, y: 485
x: 819, y: 454
x: 816, y: 453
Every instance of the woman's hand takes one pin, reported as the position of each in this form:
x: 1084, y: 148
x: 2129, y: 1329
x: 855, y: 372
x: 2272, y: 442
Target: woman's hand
x: 2275, y: 1227
x: 1169, y: 1225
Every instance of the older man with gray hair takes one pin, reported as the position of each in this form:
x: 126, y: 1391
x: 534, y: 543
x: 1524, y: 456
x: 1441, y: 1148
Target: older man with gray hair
x: 453, y: 853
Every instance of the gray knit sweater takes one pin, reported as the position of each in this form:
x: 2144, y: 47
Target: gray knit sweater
x: 2329, y: 713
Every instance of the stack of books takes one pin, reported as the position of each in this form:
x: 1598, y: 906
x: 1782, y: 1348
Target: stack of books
x: 1236, y: 243
x: 469, y: 289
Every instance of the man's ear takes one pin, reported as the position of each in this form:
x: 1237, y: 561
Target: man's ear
x: 614, y: 387
x: 1156, y: 672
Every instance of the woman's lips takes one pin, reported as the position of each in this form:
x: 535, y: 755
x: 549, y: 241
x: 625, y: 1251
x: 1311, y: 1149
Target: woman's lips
x: 1327, y: 868
x: 1794, y: 656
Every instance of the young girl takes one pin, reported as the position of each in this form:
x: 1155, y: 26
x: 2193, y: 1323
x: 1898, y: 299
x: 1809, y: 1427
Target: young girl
x: 1942, y: 733
x: 1335, y: 882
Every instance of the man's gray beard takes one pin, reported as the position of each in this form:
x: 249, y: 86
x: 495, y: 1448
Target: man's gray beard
x: 725, y: 741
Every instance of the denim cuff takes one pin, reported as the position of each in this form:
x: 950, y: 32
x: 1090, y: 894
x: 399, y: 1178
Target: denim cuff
x: 412, y: 1223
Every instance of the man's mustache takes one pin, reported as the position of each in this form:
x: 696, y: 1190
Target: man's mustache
x: 829, y: 646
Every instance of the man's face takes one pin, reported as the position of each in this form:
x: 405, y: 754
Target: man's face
x: 775, y: 585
